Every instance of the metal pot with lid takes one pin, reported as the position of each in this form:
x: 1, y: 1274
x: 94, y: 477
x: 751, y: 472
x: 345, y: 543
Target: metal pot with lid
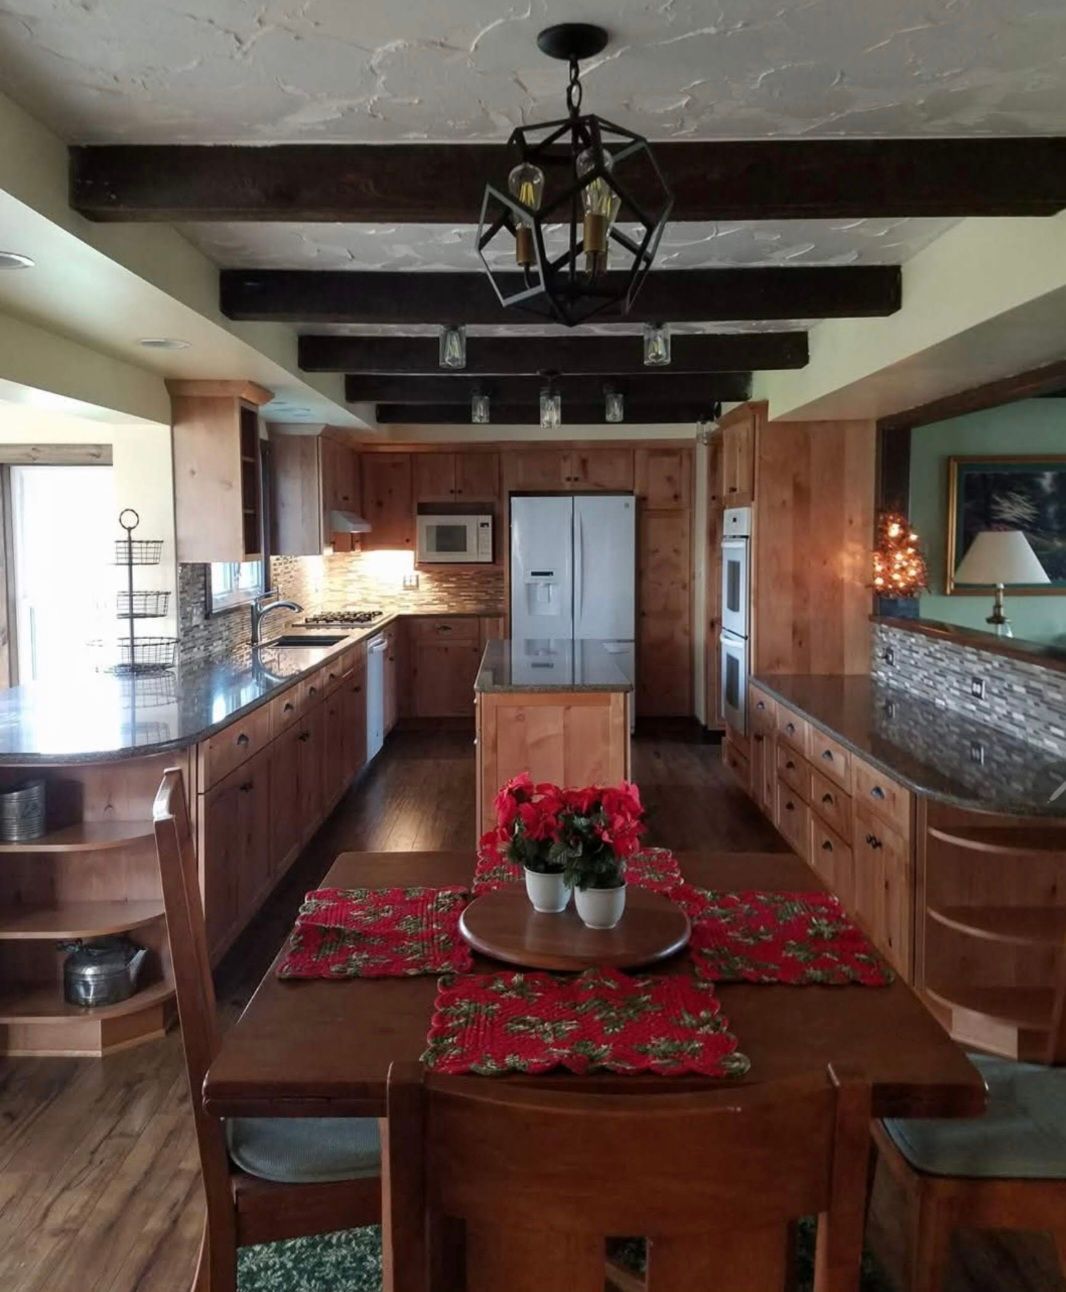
x: 102, y: 971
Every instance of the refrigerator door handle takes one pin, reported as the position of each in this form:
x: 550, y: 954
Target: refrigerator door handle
x: 579, y: 566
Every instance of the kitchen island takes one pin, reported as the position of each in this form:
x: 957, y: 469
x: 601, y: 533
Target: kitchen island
x: 559, y: 709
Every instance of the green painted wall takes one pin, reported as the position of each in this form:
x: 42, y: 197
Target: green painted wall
x: 1030, y: 427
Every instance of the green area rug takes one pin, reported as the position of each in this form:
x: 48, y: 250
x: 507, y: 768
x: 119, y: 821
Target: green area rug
x: 351, y: 1262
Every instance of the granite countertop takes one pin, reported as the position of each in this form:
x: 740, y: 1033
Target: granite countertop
x: 545, y: 664
x: 934, y: 751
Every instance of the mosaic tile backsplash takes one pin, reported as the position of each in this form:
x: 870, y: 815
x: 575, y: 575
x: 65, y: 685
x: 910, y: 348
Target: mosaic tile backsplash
x: 364, y: 580
x: 1024, y: 700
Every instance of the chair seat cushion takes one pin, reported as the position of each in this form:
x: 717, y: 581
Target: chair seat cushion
x: 305, y: 1150
x: 1022, y: 1134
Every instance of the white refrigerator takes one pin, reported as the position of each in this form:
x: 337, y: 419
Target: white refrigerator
x: 573, y: 578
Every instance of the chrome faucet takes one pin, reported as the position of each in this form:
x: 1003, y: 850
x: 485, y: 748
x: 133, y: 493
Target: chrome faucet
x: 260, y: 612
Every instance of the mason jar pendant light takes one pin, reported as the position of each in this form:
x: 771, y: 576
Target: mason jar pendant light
x: 578, y: 224
x: 479, y: 410
x: 551, y: 409
x: 453, y: 347
x: 656, y: 344
x: 613, y: 406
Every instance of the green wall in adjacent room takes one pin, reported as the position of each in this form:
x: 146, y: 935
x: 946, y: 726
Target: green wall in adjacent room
x: 1032, y: 427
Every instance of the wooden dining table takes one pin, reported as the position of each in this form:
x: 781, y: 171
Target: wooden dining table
x: 323, y: 1048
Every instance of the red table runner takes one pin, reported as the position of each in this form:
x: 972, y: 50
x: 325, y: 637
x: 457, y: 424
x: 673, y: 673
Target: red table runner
x: 778, y: 938
x: 652, y: 868
x: 377, y: 933
x: 599, y: 1020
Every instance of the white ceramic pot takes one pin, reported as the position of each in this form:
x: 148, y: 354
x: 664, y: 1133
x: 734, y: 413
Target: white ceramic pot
x: 548, y: 893
x: 600, y: 908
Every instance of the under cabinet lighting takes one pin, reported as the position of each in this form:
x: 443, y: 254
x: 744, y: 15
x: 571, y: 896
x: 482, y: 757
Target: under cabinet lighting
x: 453, y: 347
x: 551, y: 410
x: 479, y: 410
x: 614, y: 406
x: 656, y: 344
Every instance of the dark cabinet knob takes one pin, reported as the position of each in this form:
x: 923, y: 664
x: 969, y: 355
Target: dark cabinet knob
x: 873, y: 841
x: 247, y: 787
x: 877, y: 792
x: 758, y: 735
x: 790, y: 727
x: 760, y: 705
x: 288, y: 707
x: 826, y: 846
x: 827, y: 754
x: 242, y: 739
x: 304, y: 735
x: 790, y: 806
x: 790, y: 765
x: 827, y: 798
x: 312, y: 690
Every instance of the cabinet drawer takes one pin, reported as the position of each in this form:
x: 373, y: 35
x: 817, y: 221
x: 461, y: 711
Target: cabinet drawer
x: 793, y: 770
x: 285, y: 709
x: 761, y: 709
x: 737, y: 764
x: 312, y: 689
x: 793, y: 818
x: 793, y: 728
x: 452, y: 628
x: 831, y: 803
x: 883, y: 796
x: 226, y: 749
x: 830, y: 757
x: 831, y: 857
x: 332, y: 672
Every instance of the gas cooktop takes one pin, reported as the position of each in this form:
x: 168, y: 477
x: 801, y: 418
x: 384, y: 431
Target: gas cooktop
x: 345, y: 618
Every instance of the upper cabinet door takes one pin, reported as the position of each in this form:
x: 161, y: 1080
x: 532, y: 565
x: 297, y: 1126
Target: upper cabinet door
x: 477, y: 477
x: 664, y: 478
x: 388, y: 502
x: 434, y: 476
x: 528, y: 470
x: 607, y: 469
x: 739, y: 436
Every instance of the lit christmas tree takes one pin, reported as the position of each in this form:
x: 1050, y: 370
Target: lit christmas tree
x: 899, y: 565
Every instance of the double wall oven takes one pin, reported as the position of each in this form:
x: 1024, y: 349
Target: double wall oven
x: 736, y: 615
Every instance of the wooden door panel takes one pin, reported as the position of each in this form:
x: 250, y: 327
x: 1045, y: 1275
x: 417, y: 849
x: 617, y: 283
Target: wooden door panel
x: 388, y: 502
x: 286, y: 824
x: 334, y: 746
x: 607, y: 469
x: 310, y: 739
x: 353, y: 733
x: 664, y: 477
x: 255, y: 876
x: 477, y: 477
x: 443, y: 681
x: 434, y: 477
x: 664, y: 629
x: 530, y: 469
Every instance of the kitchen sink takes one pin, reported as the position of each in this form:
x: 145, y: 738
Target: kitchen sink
x: 308, y: 639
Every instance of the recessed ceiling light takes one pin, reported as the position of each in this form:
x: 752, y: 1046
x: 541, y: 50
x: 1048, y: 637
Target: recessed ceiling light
x: 15, y: 260
x: 163, y: 343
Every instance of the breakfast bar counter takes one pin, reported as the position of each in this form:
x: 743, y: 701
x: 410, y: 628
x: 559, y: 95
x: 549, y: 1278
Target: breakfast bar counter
x: 558, y: 709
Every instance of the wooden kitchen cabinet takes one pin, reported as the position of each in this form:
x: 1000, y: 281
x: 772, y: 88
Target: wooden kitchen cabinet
x: 391, y: 681
x: 884, y: 891
x: 353, y: 723
x: 446, y: 654
x: 664, y: 478
x: 311, y: 741
x: 388, y: 501
x: 311, y: 477
x: 434, y: 477
x: 596, y: 469
x: 529, y: 470
x: 738, y: 432
x: 456, y: 477
x: 217, y: 485
x: 235, y: 831
x: 287, y: 825
x: 664, y: 624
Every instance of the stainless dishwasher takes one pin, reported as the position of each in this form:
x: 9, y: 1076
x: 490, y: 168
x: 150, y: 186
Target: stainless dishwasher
x: 375, y: 695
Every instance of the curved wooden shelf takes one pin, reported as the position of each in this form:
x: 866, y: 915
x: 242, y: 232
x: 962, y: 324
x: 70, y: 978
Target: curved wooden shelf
x: 1004, y: 840
x: 1026, y: 1008
x: 44, y: 1003
x: 1037, y: 926
x: 86, y: 836
x: 75, y: 919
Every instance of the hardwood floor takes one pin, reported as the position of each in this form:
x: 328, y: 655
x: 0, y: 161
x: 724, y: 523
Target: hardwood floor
x: 99, y: 1182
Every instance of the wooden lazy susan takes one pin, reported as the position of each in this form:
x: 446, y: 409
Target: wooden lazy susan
x: 504, y: 925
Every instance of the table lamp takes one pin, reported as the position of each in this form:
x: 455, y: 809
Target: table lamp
x: 1000, y: 556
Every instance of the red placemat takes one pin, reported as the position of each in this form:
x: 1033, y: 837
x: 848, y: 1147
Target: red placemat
x: 778, y: 938
x: 600, y: 1020
x: 652, y: 868
x: 377, y: 933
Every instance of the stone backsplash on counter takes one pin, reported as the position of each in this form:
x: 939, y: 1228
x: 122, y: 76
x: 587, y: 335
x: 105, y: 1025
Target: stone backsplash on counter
x: 1025, y: 700
x: 364, y: 580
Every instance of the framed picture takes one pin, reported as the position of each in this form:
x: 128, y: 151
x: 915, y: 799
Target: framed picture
x: 1008, y: 492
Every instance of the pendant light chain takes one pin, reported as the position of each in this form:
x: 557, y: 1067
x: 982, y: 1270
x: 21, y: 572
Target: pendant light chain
x: 574, y: 90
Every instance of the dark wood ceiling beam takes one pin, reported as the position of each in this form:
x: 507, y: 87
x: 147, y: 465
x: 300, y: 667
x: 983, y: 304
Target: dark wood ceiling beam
x: 762, y: 179
x: 454, y: 388
x: 503, y: 356
x: 673, y: 296
x: 528, y: 414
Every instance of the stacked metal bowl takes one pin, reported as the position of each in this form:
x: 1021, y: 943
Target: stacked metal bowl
x: 22, y: 812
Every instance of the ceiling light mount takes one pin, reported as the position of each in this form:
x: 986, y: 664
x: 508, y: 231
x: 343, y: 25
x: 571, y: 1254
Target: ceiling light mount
x: 580, y: 189
x: 164, y: 343
x: 15, y: 260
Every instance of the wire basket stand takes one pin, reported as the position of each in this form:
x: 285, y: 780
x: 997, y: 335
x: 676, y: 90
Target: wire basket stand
x: 137, y: 655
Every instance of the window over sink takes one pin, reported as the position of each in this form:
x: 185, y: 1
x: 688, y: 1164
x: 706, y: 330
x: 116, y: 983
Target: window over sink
x: 234, y: 583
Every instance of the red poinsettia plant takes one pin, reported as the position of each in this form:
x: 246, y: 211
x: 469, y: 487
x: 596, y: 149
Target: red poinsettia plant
x: 584, y: 834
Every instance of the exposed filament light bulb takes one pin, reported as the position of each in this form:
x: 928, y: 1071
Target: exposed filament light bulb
x: 601, y: 205
x: 526, y: 183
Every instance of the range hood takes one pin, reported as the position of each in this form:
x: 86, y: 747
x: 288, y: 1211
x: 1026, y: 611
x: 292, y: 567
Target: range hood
x: 347, y: 522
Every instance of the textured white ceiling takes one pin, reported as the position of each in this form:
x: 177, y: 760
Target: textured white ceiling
x: 170, y: 71
x: 451, y: 247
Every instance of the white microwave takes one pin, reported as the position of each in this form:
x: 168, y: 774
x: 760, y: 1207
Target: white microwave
x: 454, y: 539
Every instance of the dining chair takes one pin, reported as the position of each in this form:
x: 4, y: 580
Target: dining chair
x: 266, y: 1178
x: 541, y: 1178
x: 1003, y: 1170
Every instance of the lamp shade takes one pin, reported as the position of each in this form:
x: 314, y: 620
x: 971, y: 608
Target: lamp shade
x: 1001, y: 556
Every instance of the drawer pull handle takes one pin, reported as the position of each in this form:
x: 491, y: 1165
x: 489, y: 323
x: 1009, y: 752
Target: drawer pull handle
x: 827, y: 754
x: 288, y: 707
x: 873, y: 841
x: 242, y: 739
x: 826, y: 846
x: 312, y: 690
x: 247, y: 786
x: 790, y: 764
x: 760, y: 705
x: 444, y: 628
x: 877, y: 792
x: 790, y: 727
x: 304, y: 735
x: 827, y: 798
x: 790, y: 806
